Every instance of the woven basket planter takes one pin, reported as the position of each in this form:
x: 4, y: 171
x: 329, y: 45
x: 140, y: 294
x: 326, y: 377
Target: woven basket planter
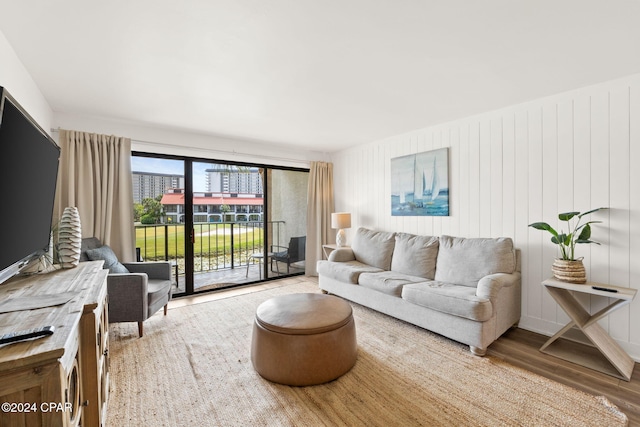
x: 571, y: 271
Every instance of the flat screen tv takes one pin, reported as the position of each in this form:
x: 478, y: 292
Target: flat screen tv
x: 28, y: 172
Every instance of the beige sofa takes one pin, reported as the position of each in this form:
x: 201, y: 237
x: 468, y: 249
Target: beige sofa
x: 467, y: 289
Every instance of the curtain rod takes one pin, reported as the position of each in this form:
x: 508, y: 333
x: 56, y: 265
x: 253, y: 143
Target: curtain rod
x: 209, y: 150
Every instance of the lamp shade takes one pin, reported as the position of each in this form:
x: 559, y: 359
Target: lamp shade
x: 341, y: 220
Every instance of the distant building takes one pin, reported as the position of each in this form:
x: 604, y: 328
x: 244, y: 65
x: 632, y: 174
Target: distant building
x: 234, y: 179
x: 213, y: 207
x: 151, y: 185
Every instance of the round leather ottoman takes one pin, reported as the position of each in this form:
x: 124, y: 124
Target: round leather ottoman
x: 303, y: 339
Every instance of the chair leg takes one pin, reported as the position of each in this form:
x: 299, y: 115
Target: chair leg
x: 166, y: 307
x: 140, y: 329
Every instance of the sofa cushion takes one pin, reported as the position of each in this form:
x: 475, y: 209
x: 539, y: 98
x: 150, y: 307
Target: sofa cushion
x: 387, y: 282
x: 465, y: 261
x: 158, y: 289
x: 348, y: 272
x: 448, y: 298
x: 106, y: 254
x: 374, y: 247
x: 415, y: 255
x: 86, y: 244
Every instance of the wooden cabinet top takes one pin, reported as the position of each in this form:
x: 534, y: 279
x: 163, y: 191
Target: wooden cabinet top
x: 80, y: 285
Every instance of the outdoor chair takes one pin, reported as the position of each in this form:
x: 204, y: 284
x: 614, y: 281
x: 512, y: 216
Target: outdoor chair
x: 295, y: 252
x: 136, y: 290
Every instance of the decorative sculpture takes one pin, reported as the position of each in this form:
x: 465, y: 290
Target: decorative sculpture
x: 69, y: 238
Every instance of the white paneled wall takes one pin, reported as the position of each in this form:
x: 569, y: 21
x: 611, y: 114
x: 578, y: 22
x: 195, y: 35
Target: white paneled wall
x: 526, y: 163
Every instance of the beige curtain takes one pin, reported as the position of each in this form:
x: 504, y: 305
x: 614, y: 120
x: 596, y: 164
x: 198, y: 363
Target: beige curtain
x: 319, y: 208
x: 95, y: 177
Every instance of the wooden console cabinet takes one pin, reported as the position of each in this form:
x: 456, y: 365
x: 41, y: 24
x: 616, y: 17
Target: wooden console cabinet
x: 63, y: 379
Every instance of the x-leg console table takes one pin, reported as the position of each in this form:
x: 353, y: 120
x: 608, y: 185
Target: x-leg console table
x: 620, y: 364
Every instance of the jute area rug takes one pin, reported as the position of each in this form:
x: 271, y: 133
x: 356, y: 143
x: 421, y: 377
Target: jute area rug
x: 193, y: 368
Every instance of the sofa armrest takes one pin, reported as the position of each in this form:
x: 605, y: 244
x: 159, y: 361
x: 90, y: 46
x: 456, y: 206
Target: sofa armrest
x: 155, y: 270
x: 489, y: 286
x: 128, y: 296
x: 342, y: 255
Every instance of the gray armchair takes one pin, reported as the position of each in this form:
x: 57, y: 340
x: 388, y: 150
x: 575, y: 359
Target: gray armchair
x: 136, y: 290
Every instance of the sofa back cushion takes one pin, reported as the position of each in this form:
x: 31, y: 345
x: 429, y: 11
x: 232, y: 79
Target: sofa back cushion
x: 415, y: 255
x: 374, y: 248
x: 465, y: 261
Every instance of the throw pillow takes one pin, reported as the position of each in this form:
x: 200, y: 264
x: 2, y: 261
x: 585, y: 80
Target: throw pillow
x: 374, y: 248
x: 415, y: 255
x: 465, y: 261
x: 105, y: 253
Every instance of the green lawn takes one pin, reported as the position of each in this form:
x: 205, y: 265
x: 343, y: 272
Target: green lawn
x: 210, y: 239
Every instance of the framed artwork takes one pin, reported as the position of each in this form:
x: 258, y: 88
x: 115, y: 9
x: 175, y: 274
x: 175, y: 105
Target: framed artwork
x: 420, y: 184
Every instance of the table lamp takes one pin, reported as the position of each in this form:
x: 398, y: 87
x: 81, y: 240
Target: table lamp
x: 341, y: 220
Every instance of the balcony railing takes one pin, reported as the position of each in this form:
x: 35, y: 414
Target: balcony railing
x: 217, y: 246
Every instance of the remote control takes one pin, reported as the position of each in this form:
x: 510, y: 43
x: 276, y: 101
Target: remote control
x: 25, y: 335
x: 598, y: 288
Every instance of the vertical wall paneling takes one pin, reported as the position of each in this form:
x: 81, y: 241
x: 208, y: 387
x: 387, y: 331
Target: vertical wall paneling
x: 474, y: 179
x: 581, y: 173
x: 508, y: 175
x: 463, y: 163
x: 522, y: 198
x: 599, y: 187
x: 485, y: 178
x: 496, y: 165
x: 550, y: 166
x: 508, y: 168
x: 454, y: 182
x: 634, y: 208
x: 619, y: 199
x: 534, y: 255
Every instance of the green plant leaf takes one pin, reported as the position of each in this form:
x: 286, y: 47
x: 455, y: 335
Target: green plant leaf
x: 585, y: 234
x: 586, y: 241
x: 567, y: 216
x: 559, y: 239
x: 567, y: 239
x: 544, y: 226
x: 591, y: 211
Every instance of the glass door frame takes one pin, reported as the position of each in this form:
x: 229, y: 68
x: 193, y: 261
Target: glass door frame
x: 189, y: 224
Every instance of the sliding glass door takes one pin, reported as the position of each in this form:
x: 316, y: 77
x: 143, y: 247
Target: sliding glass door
x: 219, y: 224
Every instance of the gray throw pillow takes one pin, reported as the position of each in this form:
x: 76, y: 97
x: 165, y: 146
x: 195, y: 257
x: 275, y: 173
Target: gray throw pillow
x: 415, y: 255
x: 374, y: 248
x: 105, y: 253
x: 464, y: 261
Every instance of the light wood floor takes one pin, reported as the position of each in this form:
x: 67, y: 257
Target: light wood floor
x: 520, y: 347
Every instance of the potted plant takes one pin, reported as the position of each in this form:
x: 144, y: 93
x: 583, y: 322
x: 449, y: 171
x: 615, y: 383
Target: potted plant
x: 567, y: 267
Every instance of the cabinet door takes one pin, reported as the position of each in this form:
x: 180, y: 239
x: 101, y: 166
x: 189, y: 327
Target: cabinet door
x: 37, y: 396
x: 73, y: 403
x: 94, y: 348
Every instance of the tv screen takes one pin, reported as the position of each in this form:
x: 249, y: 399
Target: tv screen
x: 28, y: 172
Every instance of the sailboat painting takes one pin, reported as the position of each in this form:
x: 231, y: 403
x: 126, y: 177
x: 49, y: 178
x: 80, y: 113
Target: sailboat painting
x: 420, y: 184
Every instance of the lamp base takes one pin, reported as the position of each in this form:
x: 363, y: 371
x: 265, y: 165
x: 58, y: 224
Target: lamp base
x: 341, y: 238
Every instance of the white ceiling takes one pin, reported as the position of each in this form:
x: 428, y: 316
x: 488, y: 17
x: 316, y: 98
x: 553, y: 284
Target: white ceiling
x: 316, y: 74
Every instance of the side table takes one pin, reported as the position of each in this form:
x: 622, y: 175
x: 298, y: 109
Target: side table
x: 620, y: 364
x: 261, y: 258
